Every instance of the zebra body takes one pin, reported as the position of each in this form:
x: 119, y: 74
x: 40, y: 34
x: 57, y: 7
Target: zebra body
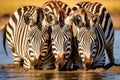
x: 31, y: 49
x: 61, y: 35
x: 90, y: 38
x: 105, y: 22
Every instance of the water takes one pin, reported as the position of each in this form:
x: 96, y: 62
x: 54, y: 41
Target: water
x: 6, y: 74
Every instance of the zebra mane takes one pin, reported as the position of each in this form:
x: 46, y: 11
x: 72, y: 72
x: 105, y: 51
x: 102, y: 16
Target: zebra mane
x: 61, y: 18
x: 40, y: 17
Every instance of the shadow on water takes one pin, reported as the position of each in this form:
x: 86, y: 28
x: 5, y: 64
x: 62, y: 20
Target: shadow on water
x: 7, y: 74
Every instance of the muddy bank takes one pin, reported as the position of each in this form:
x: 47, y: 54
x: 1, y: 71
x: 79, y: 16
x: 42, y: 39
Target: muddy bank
x: 17, y: 68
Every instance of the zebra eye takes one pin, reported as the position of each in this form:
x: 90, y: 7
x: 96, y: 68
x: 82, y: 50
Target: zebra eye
x: 78, y: 41
x: 52, y: 39
x: 27, y: 18
x: 69, y: 39
x: 77, y: 18
x: 29, y: 40
x: 78, y: 21
x: 50, y: 17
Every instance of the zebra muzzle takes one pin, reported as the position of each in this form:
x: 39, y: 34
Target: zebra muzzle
x: 60, y: 64
x: 37, y: 63
x: 87, y: 64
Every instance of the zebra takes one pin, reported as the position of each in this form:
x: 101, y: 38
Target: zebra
x: 61, y: 34
x: 26, y: 49
x: 41, y: 39
x: 105, y: 22
x: 90, y: 15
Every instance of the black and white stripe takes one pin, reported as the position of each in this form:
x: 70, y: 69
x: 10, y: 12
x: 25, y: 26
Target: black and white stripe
x: 91, y: 44
x: 89, y: 15
x: 61, y: 34
x: 27, y: 37
x: 39, y: 44
x: 105, y: 22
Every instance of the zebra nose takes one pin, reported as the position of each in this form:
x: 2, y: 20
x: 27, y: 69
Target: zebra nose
x: 61, y: 61
x: 89, y: 63
x: 36, y: 57
x: 61, y: 65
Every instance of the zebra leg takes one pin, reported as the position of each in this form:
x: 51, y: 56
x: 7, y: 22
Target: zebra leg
x: 27, y: 64
x: 99, y: 63
x: 109, y: 50
x: 16, y: 57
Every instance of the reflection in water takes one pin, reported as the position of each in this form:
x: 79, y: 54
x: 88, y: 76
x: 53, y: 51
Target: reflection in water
x: 6, y: 74
x: 66, y: 76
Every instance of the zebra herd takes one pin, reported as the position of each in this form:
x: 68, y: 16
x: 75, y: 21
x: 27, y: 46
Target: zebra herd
x: 58, y: 37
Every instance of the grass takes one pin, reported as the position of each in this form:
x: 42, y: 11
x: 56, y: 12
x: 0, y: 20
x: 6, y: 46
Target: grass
x: 9, y: 6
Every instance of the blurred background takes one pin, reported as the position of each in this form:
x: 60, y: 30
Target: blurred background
x: 7, y: 7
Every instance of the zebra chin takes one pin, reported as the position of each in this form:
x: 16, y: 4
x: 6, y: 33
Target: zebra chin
x: 60, y: 63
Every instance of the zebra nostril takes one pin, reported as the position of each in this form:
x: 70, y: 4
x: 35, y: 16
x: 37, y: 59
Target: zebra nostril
x: 60, y: 66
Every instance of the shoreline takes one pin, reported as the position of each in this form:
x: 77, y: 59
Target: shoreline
x: 17, y: 68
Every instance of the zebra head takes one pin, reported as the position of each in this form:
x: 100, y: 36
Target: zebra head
x: 38, y: 45
x: 38, y: 36
x: 61, y: 45
x: 82, y: 18
x: 87, y: 46
x: 85, y: 24
x: 61, y: 38
x: 40, y: 18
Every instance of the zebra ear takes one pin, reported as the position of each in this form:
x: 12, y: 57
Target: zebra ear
x: 50, y: 18
x: 78, y: 21
x: 29, y: 19
x: 96, y: 19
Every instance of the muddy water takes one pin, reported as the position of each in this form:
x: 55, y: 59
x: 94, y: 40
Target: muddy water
x: 8, y: 74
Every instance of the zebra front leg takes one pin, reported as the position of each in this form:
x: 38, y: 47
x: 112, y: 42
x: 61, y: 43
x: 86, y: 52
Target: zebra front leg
x: 27, y: 64
x: 16, y: 57
x: 109, y: 50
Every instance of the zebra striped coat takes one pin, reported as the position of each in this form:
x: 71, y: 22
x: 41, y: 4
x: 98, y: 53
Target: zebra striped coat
x: 90, y: 15
x: 61, y: 35
x: 105, y: 22
x: 40, y: 44
x: 31, y: 49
